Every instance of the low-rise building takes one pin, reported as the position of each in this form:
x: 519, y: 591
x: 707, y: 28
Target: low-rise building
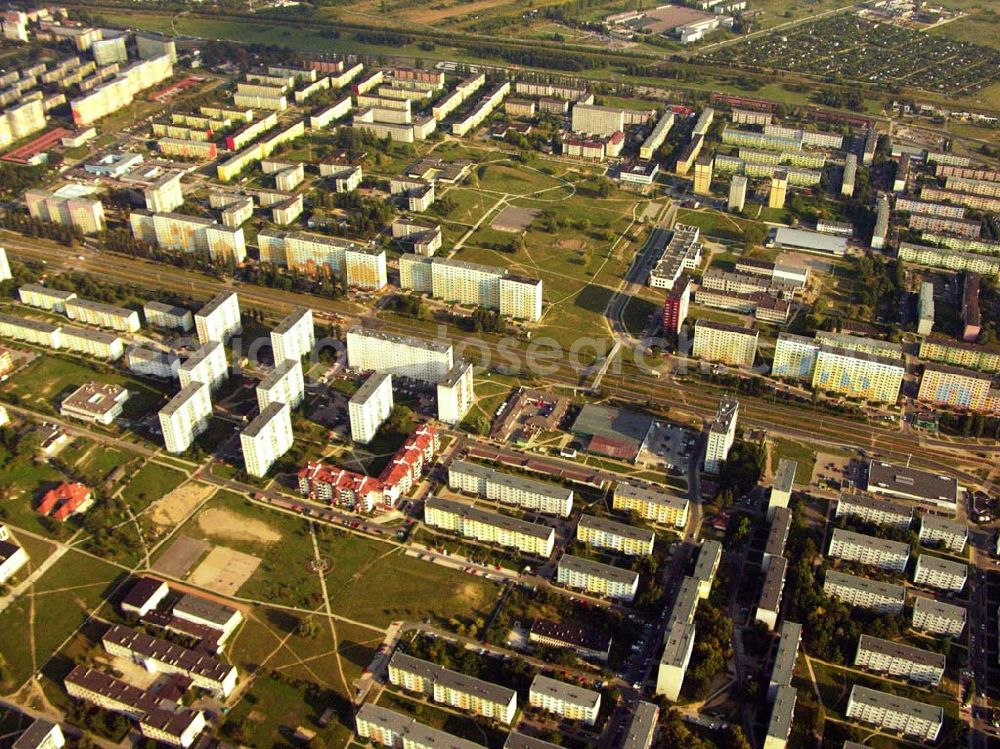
x: 620, y: 537
x: 568, y: 700
x: 899, y: 660
x: 95, y: 402
x: 585, y: 642
x: 597, y: 578
x: 41, y: 734
x: 869, y: 550
x: 912, y: 483
x: 893, y: 713
x: 144, y: 595
x: 208, y: 613
x: 943, y: 574
x: 398, y: 731
x: 489, y: 527
x: 883, y: 598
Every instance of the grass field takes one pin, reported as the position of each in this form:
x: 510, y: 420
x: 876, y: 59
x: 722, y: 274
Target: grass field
x: 802, y: 454
x: 149, y: 484
x: 37, y: 624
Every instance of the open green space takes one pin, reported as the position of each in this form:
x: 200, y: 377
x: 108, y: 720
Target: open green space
x: 149, y: 484
x: 802, y: 454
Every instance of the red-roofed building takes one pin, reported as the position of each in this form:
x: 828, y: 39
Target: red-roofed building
x: 65, y: 500
x: 365, y: 493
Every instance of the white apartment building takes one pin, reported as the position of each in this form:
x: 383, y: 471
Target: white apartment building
x: 267, y: 438
x: 42, y: 297
x: 899, y: 660
x: 536, y: 496
x: 721, y: 434
x: 489, y: 527
x: 102, y: 315
x: 595, y: 120
x: 620, y: 537
x: 12, y: 556
x: 869, y: 550
x: 781, y: 486
x: 208, y: 365
x: 893, y: 713
x: 597, y: 578
x: 363, y: 267
x: 794, y: 356
x: 185, y: 416
x: 779, y: 727
x: 164, y: 194
x: 168, y: 316
x: 651, y: 503
x: 568, y: 700
x: 858, y: 374
x: 884, y: 598
x: 150, y: 362
x: 769, y: 603
x: 709, y: 557
x: 783, y: 669
x: 67, y: 208
x: 5, y: 274
x: 677, y: 648
x: 476, y: 284
x: 370, y: 406
x: 283, y: 384
x: 950, y: 534
x: 96, y: 343
x: 943, y: 574
x: 868, y: 509
x: 294, y: 337
x: 456, y: 393
x: 32, y: 331
x: 219, y: 319
x: 728, y: 344
x: 401, y: 356
x: 453, y: 688
x: 190, y: 234
x: 937, y: 617
x: 398, y: 731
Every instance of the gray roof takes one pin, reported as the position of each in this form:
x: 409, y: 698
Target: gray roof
x: 597, y: 569
x: 780, y: 725
x: 543, y: 488
x: 778, y: 535
x: 200, y: 355
x: 896, y: 704
x: 495, y: 519
x: 788, y: 650
x: 452, y: 679
x: 887, y: 590
x: 263, y: 419
x: 618, y: 529
x: 651, y: 493
x: 784, y: 477
x: 370, y: 386
x: 25, y: 322
x: 678, y: 640
x: 166, y: 309
x: 385, y: 718
x: 726, y: 327
x: 569, y: 693
x: 219, y: 299
x: 86, y: 334
x: 275, y: 375
x: 810, y: 240
x: 405, y: 725
x: 613, y: 423
x: 774, y: 582
x: 874, y: 346
x: 403, y: 340
x: 291, y: 320
x: 725, y: 415
x: 943, y: 566
x: 917, y: 656
x: 38, y: 288
x: 454, y: 375
x: 933, y: 607
x: 642, y: 727
x: 183, y: 396
x: 872, y: 542
x: 516, y: 740
x: 868, y: 502
x: 708, y: 556
x: 35, y: 734
x: 204, y: 608
x: 911, y: 482
x: 686, y: 601
x: 943, y: 525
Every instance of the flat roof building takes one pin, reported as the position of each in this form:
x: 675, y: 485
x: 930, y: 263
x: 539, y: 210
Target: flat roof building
x: 620, y: 537
x: 884, y: 598
x: 597, y: 578
x: 489, y: 527
x: 569, y: 701
x: 912, y: 483
x: 909, y: 717
x: 938, y: 617
x: 651, y: 503
x: 887, y: 555
x: 943, y: 574
x: 874, y: 511
x: 507, y: 488
x: 585, y: 642
x: 677, y: 648
x: 784, y: 660
x: 949, y: 534
x: 899, y: 660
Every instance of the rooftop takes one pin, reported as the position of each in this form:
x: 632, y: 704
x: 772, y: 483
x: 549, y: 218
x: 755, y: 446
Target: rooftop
x: 572, y: 634
x: 642, y: 727
x: 870, y: 542
x: 911, y: 482
x: 784, y: 477
x: 942, y: 566
x: 452, y: 679
x: 917, y: 656
x: 868, y: 502
x: 597, y: 569
x: 568, y: 693
x: 780, y: 725
x: 893, y: 703
x: 402, y: 340
x: 624, y: 530
x: 293, y: 318
x: 371, y: 386
x: 788, y: 650
x: 651, y: 493
x: 781, y: 523
x: 198, y: 607
x: 933, y: 607
x: 263, y: 420
x: 774, y: 582
x: 494, y: 519
x: 542, y: 488
x: 810, y: 240
x: 886, y: 590
x: 278, y: 373
x: 218, y: 301
x: 95, y: 398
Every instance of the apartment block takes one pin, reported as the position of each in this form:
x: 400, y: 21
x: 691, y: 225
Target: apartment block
x: 283, y: 384
x: 899, y: 660
x: 794, y: 356
x: 12, y: 556
x: 871, y: 551
x: 677, y: 648
x: 208, y: 365
x: 779, y: 727
x: 150, y: 362
x: 168, y: 316
x: 781, y: 486
x: 370, y: 406
x: 568, y: 700
x: 295, y: 335
x: 721, y: 434
x: 42, y: 297
x: 943, y: 574
x: 737, y: 193
x: 620, y: 537
x: 31, y: 331
x: 769, y: 603
x: 453, y: 688
x: 945, y: 385
x: 506, y: 488
x: 657, y: 136
x: 96, y: 343
x: 267, y: 438
x: 728, y: 344
x: 5, y: 274
x: 398, y: 731
x: 489, y: 527
x: 185, y: 416
x: 676, y: 305
x: 642, y: 727
x: 219, y: 319
x: 883, y: 598
x: 777, y: 535
x: 784, y: 659
x: 456, y: 393
x: 707, y: 564
x: 363, y: 266
x: 676, y: 250
x: 942, y: 257
x: 595, y: 120
x: 102, y: 315
x: 949, y: 534
x: 651, y: 503
x: 938, y: 617
x: 858, y: 375
x: 874, y: 511
x: 892, y: 713
x: 597, y: 578
x: 850, y: 176
x: 401, y: 356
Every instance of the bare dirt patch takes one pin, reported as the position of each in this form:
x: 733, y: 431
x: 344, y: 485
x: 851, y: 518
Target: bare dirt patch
x: 224, y: 570
x: 174, y: 507
x: 514, y: 219
x: 223, y: 523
